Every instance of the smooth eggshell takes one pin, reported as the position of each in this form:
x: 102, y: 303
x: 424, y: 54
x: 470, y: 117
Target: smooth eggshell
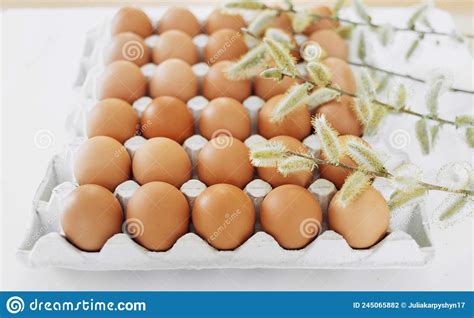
x: 175, y: 78
x: 225, y: 115
x: 225, y: 159
x: 296, y: 124
x: 114, y: 118
x: 91, y: 215
x: 321, y: 24
x: 282, y: 21
x: 127, y: 46
x: 292, y: 215
x: 341, y: 116
x: 223, y: 45
x: 338, y: 175
x: 161, y: 159
x: 363, y: 222
x: 267, y: 88
x: 123, y: 80
x: 332, y: 43
x: 167, y: 117
x: 178, y: 18
x: 218, y: 20
x: 175, y: 44
x: 157, y: 216
x: 216, y: 84
x: 224, y: 216
x: 130, y: 19
x: 275, y: 178
x: 342, y: 74
x: 103, y: 161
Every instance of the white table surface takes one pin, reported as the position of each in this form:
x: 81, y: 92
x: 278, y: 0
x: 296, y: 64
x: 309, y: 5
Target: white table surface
x: 40, y: 53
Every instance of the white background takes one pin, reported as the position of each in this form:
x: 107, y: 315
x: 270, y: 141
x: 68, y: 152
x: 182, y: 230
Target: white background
x: 40, y: 54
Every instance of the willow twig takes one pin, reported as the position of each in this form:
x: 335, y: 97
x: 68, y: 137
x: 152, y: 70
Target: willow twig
x: 378, y: 69
x: 389, y: 107
x: 420, y: 33
x: 373, y: 175
x: 407, y: 76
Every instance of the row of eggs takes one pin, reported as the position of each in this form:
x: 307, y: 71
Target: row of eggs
x: 161, y: 166
x: 131, y: 19
x: 224, y: 44
x: 174, y: 78
x: 223, y: 118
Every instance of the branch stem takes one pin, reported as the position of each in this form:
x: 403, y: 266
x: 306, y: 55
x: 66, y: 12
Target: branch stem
x: 420, y: 33
x: 378, y: 69
x: 389, y: 107
x: 407, y: 76
x: 373, y: 175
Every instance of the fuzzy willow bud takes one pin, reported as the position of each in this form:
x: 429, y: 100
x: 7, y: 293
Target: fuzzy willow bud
x: 354, y: 185
x: 319, y: 73
x: 294, y: 98
x: 295, y: 164
x: 272, y: 73
x: 328, y: 139
x: 267, y: 154
x: 245, y: 5
x: 282, y: 57
x: 249, y: 65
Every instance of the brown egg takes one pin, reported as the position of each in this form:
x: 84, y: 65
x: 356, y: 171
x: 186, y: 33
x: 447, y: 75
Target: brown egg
x: 161, y: 159
x: 225, y: 159
x: 216, y: 84
x: 341, y: 116
x: 130, y: 19
x: 297, y: 124
x: 123, y: 80
x: 103, y: 161
x: 167, y: 117
x: 177, y: 18
x: 224, y: 216
x: 175, y: 44
x: 321, y: 24
x: 225, y: 115
x: 275, y: 178
x: 91, y: 215
x: 157, y: 216
x: 335, y: 174
x: 223, y: 45
x: 363, y: 222
x: 282, y: 21
x: 174, y: 78
x: 332, y: 43
x: 218, y: 20
x: 342, y: 74
x: 292, y: 215
x: 267, y: 88
x: 114, y: 118
x: 127, y: 46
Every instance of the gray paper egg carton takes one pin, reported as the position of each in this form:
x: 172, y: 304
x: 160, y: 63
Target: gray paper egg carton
x: 407, y: 245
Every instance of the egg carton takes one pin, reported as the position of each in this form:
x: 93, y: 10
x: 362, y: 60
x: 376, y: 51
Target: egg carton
x: 407, y: 245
